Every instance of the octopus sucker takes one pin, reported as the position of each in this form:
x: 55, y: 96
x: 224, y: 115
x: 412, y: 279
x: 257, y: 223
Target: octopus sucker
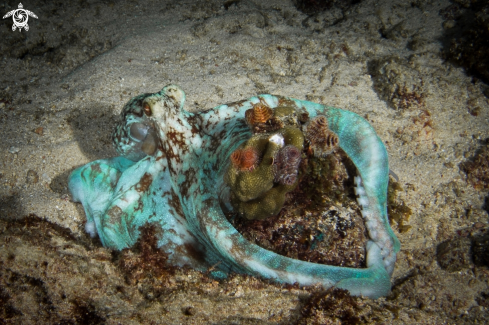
x: 118, y: 196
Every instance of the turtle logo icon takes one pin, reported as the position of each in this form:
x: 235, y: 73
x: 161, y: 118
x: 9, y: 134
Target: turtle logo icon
x: 20, y: 17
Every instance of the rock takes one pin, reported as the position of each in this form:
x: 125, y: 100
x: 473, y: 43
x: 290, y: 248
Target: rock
x: 480, y: 250
x: 32, y: 177
x: 454, y: 255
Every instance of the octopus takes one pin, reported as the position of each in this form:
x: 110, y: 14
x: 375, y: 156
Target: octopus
x: 170, y: 174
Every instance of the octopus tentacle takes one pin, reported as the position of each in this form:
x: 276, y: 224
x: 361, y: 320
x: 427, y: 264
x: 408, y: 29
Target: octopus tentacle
x: 93, y: 185
x: 360, y: 142
x: 244, y: 257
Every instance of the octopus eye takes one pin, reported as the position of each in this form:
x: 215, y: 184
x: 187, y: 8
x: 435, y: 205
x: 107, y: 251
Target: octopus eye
x: 145, y: 137
x: 147, y: 109
x: 149, y: 144
x: 138, y: 131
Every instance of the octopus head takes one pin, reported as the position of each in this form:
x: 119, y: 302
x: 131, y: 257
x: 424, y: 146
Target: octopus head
x: 166, y: 104
x: 135, y: 135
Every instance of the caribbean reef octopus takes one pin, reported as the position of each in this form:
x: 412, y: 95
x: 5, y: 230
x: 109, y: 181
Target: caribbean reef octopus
x: 171, y: 173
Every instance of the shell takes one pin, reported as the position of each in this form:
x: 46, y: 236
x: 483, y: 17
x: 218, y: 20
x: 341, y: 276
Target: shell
x: 245, y: 159
x: 286, y: 165
x: 258, y: 114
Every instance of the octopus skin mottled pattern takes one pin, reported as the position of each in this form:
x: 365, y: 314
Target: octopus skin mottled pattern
x: 170, y: 173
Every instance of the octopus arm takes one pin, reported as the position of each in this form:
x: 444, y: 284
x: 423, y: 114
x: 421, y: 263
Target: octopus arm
x: 364, y: 147
x: 239, y: 255
x: 112, y: 192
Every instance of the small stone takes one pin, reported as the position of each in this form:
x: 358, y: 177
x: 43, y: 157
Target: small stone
x: 2, y: 105
x: 46, y: 178
x: 454, y: 255
x: 39, y: 130
x: 478, y: 225
x: 189, y: 311
x: 14, y: 150
x: 32, y: 177
x: 449, y: 164
x: 449, y: 24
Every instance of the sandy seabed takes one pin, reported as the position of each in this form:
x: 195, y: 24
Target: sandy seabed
x: 64, y: 82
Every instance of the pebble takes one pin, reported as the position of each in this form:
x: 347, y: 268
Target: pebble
x: 39, y: 130
x: 449, y: 24
x: 32, y: 177
x: 46, y: 177
x: 14, y: 150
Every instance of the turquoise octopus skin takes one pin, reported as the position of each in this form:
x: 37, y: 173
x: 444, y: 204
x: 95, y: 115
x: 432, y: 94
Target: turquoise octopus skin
x: 170, y: 173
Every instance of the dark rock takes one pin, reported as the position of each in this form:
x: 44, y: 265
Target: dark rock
x: 477, y: 168
x: 480, y: 250
x: 469, y: 43
x: 455, y: 254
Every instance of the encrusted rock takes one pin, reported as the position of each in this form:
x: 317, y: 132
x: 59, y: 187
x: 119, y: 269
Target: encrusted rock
x: 454, y: 255
x: 480, y: 250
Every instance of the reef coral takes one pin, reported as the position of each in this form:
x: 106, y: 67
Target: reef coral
x: 183, y: 186
x: 320, y: 221
x: 260, y: 193
x: 304, y: 222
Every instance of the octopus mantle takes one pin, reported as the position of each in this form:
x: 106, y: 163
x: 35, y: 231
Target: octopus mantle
x: 170, y: 173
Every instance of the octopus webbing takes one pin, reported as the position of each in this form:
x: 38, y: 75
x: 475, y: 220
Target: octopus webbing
x: 170, y: 174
